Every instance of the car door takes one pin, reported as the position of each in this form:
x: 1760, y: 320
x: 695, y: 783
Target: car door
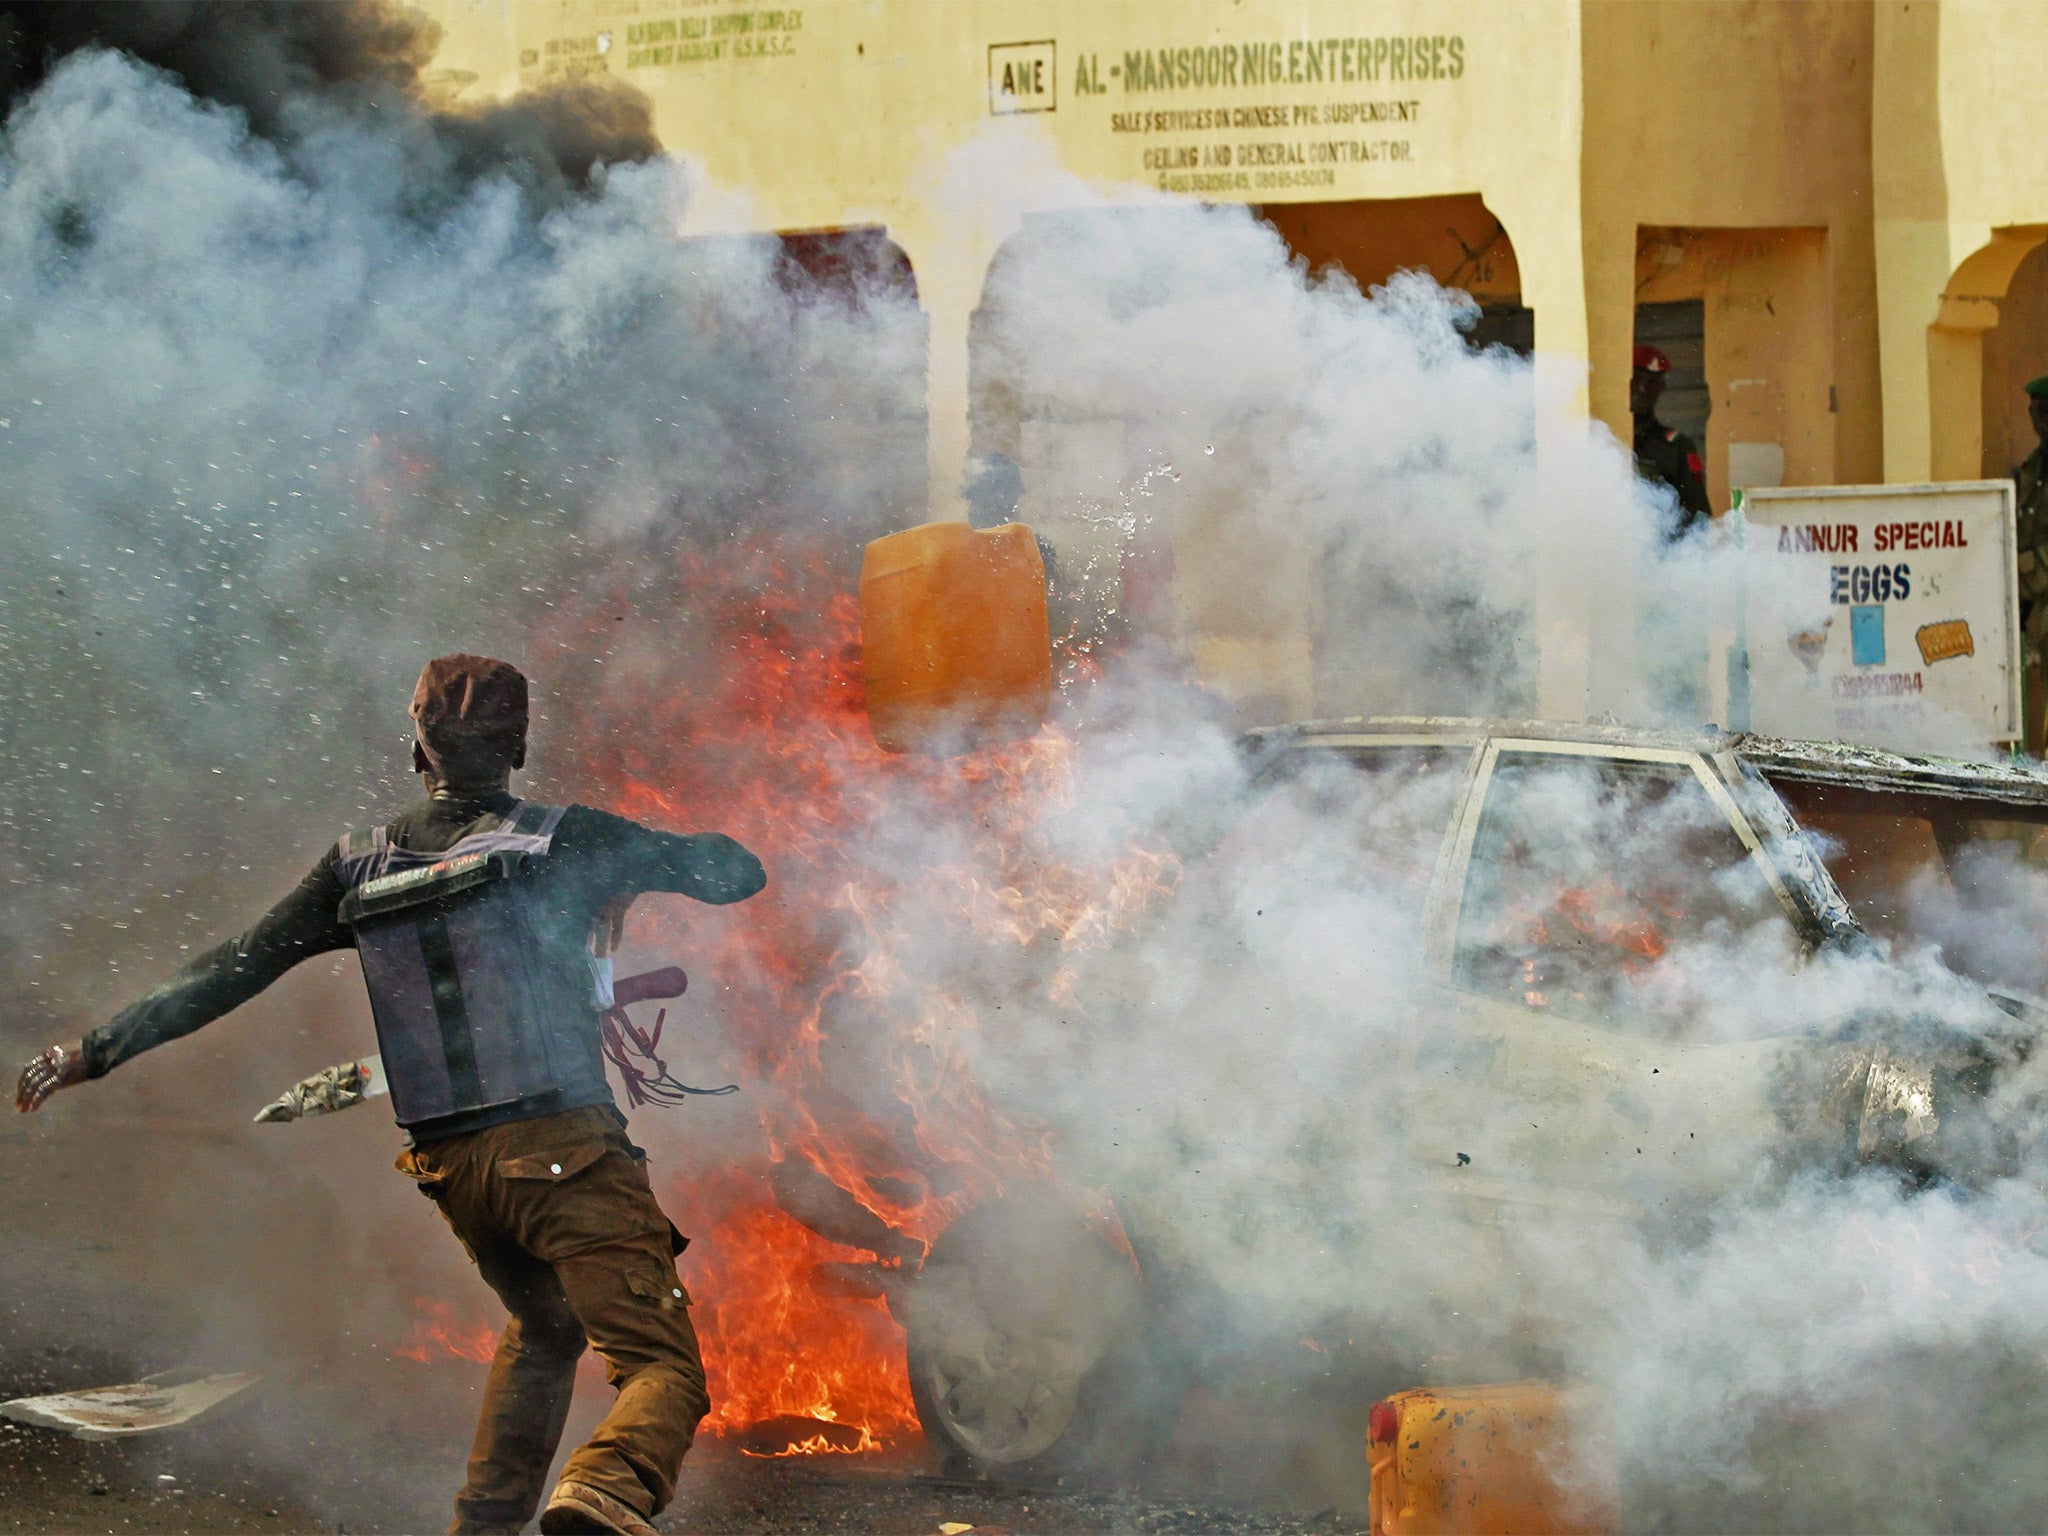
x: 1370, y: 813
x: 1561, y: 1066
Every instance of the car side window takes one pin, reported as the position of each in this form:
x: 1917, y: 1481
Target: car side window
x: 1593, y: 879
x: 1389, y: 807
x: 1364, y: 818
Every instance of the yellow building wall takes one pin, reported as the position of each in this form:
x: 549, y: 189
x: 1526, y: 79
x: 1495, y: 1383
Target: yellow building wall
x: 1738, y: 115
x: 1960, y: 194
x: 1850, y: 185
x: 836, y: 112
x: 1904, y: 129
x: 861, y: 92
x: 841, y: 113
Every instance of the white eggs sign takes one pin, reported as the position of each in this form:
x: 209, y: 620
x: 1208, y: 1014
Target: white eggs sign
x: 1886, y: 615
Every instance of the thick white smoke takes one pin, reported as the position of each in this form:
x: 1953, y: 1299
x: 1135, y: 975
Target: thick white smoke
x: 279, y: 426
x: 271, y: 438
x: 1264, y: 1073
x: 1353, y: 1158
x: 274, y: 434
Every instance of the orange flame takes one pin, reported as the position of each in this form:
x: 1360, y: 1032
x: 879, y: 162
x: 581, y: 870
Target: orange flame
x: 775, y: 1346
x: 439, y: 1335
x: 1601, y: 913
x: 820, y: 1445
x: 857, y: 1062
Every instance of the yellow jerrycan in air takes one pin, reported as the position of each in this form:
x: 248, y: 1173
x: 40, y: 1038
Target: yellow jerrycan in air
x: 1502, y: 1460
x: 956, y: 647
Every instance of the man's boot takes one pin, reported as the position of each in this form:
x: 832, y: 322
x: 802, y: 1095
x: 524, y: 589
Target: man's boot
x: 578, y: 1507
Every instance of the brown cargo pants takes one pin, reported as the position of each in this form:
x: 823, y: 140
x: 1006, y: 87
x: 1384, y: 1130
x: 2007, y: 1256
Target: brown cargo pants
x: 559, y: 1216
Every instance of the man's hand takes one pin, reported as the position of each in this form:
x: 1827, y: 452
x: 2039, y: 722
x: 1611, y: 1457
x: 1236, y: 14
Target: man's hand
x: 54, y: 1067
x: 609, y: 931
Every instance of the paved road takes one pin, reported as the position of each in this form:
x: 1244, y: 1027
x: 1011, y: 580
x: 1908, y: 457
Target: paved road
x: 210, y: 1480
x: 134, y: 1246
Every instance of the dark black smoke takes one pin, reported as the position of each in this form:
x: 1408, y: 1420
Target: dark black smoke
x: 293, y: 67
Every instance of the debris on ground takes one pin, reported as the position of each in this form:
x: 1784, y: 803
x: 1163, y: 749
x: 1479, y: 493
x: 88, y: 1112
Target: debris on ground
x: 163, y: 1401
x: 842, y: 1495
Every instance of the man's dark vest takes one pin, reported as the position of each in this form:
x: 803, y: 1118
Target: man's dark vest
x: 478, y: 1005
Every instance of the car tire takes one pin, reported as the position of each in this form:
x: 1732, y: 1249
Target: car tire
x: 1020, y: 1310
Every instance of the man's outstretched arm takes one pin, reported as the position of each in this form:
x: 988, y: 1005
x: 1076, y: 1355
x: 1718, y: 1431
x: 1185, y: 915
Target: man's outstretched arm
x: 306, y: 923
x: 302, y: 925
x: 708, y: 866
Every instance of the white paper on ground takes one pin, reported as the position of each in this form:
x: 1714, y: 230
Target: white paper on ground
x: 132, y: 1408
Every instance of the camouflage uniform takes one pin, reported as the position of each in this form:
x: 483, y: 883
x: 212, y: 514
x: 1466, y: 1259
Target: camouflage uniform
x: 2031, y: 481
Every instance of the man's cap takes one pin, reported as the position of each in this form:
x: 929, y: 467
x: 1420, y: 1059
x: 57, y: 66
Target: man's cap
x: 469, y: 715
x: 2038, y: 388
x: 1651, y: 360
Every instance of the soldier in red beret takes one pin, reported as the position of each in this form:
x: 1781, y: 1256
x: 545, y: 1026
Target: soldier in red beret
x: 478, y: 918
x: 1664, y: 454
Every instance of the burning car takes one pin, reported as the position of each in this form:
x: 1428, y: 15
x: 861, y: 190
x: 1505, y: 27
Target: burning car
x: 1607, y: 1014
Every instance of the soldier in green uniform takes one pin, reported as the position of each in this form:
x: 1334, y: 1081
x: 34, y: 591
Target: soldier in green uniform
x: 2031, y: 481
x: 1664, y: 454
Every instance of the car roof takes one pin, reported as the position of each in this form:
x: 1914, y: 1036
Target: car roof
x: 2015, y: 782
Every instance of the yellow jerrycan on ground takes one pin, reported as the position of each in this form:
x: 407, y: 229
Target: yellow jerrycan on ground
x: 956, y: 646
x: 1490, y: 1461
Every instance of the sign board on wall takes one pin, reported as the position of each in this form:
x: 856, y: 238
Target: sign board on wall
x: 1298, y: 99
x: 1886, y: 615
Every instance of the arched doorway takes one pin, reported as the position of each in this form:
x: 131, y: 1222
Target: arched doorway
x: 1457, y: 240
x: 1958, y: 375
x: 2015, y: 351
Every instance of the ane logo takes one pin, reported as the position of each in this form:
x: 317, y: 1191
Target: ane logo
x: 1021, y: 78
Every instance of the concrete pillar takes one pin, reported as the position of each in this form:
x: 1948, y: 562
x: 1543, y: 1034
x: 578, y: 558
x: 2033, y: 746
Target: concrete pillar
x: 1955, y: 402
x: 1571, y: 576
x: 1569, y: 565
x: 1610, y: 304
x: 1858, y: 401
x: 1912, y: 266
x: 1909, y: 226
x: 949, y: 305
x: 951, y: 263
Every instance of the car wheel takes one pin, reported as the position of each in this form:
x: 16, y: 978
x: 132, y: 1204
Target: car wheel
x: 1016, y: 1306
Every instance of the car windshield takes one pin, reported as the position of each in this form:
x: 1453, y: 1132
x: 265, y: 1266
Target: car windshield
x: 1966, y: 877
